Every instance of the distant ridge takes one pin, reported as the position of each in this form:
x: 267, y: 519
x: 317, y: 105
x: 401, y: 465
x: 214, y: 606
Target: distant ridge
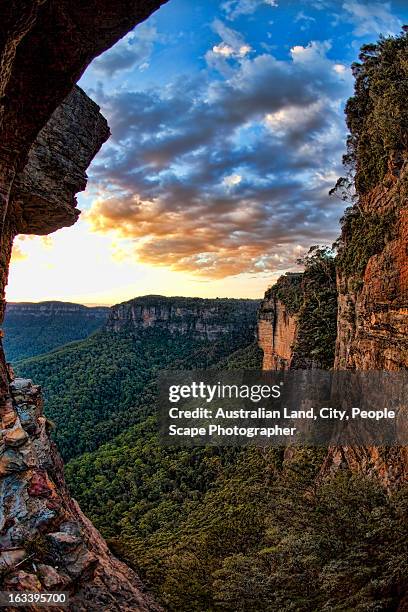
x: 208, y: 318
x: 34, y: 328
x: 53, y: 305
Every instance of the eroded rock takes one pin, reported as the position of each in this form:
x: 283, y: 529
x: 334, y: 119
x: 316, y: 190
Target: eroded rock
x: 15, y: 437
x: 44, y: 192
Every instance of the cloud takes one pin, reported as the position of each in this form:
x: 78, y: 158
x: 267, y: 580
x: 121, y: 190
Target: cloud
x: 18, y: 254
x: 371, y: 18
x: 134, y: 50
x: 223, y: 176
x: 232, y: 47
x: 232, y: 180
x: 236, y: 8
x: 23, y: 242
x: 305, y: 20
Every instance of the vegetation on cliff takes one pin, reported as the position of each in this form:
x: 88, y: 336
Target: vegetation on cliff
x: 288, y: 290
x: 317, y: 315
x: 230, y: 529
x: 363, y: 235
x: 377, y: 118
x: 377, y: 114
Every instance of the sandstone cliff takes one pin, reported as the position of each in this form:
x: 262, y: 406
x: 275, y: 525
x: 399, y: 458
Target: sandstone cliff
x: 373, y: 320
x: 201, y: 318
x: 278, y: 322
x: 34, y: 328
x: 49, y: 132
x: 373, y: 310
x: 44, y: 191
x: 297, y: 318
x: 372, y: 258
x: 373, y: 248
x: 53, y: 308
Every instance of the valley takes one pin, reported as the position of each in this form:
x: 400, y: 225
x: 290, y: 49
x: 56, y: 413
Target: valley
x: 97, y: 387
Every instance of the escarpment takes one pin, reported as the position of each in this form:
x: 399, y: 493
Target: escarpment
x: 201, y: 318
x: 297, y: 318
x: 49, y: 132
x: 372, y: 252
x: 278, y: 322
x: 43, y: 193
x: 46, y: 543
x: 373, y: 306
x: 372, y: 259
x: 373, y: 315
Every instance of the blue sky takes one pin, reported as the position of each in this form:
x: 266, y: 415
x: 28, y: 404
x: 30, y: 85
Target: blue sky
x: 227, y: 134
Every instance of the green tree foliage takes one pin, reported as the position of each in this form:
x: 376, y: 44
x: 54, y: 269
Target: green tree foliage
x: 238, y: 529
x: 317, y: 314
x: 377, y: 114
x: 363, y: 235
x: 377, y: 118
x: 248, y: 358
x: 35, y: 329
x: 288, y: 290
x: 96, y: 388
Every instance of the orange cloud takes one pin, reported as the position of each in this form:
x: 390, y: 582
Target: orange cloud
x: 214, y: 241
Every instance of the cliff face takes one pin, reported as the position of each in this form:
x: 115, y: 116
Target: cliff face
x: 49, y: 132
x: 33, y: 329
x: 373, y: 320
x: 297, y: 318
x: 278, y: 324
x: 44, y: 191
x: 200, y: 318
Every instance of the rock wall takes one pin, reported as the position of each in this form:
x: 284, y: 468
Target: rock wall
x: 277, y: 327
x: 203, y: 318
x: 49, y: 132
x: 373, y: 320
x: 46, y: 543
x: 297, y: 318
x: 49, y: 309
x: 373, y: 325
x: 43, y: 193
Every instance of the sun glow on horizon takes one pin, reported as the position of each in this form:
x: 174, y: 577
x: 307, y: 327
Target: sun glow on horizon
x: 79, y: 267
x: 227, y: 134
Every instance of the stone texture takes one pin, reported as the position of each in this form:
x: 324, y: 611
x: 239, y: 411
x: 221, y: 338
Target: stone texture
x: 277, y: 331
x: 44, y: 192
x: 10, y: 558
x: 373, y: 321
x: 8, y: 419
x: 50, y: 578
x: 373, y: 327
x: 277, y: 327
x: 45, y: 47
x: 40, y: 517
x: 15, y: 437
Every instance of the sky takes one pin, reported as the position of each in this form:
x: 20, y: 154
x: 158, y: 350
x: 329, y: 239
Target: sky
x: 228, y: 130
